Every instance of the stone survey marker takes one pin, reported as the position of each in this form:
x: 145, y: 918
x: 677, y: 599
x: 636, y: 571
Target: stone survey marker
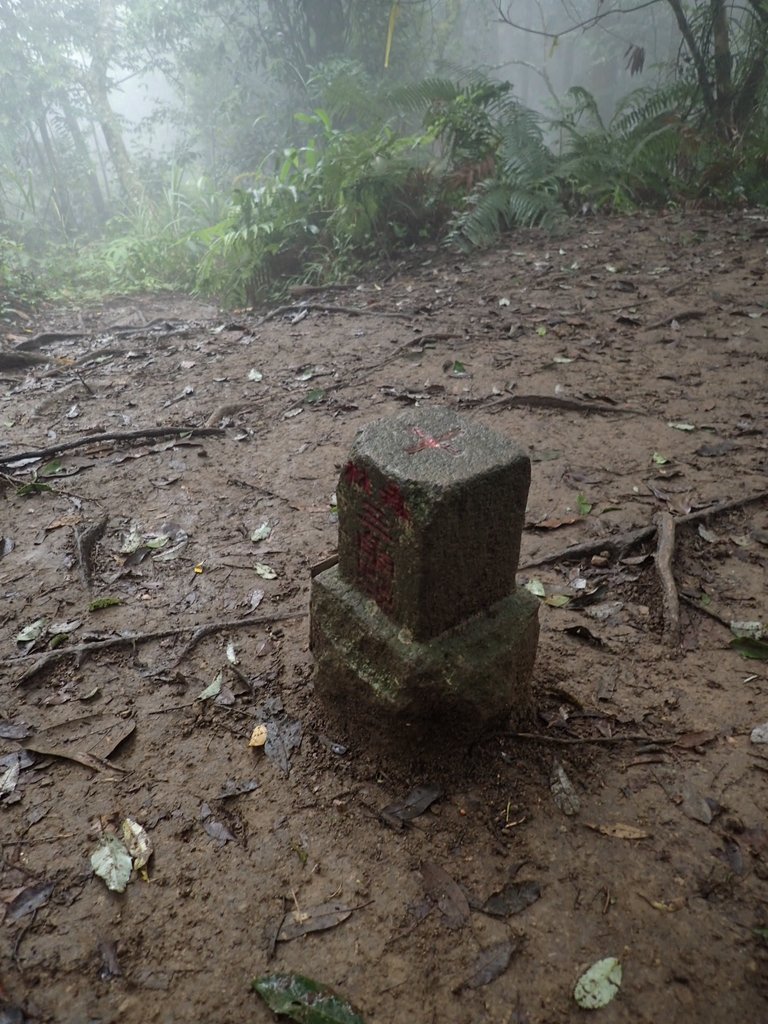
x: 420, y: 619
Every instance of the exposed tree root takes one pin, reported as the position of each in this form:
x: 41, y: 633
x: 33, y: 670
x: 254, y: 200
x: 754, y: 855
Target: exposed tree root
x: 79, y: 651
x: 117, y: 435
x: 318, y: 307
x: 665, y: 552
x: 554, y: 402
x: 623, y: 542
x: 576, y: 740
x: 85, y: 542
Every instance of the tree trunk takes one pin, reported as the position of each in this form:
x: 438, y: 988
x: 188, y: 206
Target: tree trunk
x: 81, y: 148
x: 723, y: 69
x: 696, y: 56
x: 59, y: 189
x: 97, y: 87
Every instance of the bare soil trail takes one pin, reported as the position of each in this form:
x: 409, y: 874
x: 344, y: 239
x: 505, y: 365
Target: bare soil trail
x: 154, y: 580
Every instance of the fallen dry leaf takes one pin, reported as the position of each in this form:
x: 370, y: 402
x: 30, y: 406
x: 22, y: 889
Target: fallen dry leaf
x: 668, y: 906
x: 450, y: 899
x: 489, y: 965
x: 258, y: 736
x: 619, y: 831
x: 691, y: 740
x: 313, y: 919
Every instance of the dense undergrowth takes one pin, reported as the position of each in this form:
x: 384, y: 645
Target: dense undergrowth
x: 460, y: 161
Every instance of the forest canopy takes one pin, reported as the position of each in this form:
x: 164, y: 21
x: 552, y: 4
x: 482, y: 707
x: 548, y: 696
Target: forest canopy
x: 230, y: 148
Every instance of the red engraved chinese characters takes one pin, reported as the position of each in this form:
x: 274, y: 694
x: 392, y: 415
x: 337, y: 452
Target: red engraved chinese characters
x: 392, y: 497
x: 375, y: 564
x: 357, y: 477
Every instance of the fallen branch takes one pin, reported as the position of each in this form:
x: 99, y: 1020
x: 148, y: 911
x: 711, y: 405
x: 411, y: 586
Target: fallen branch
x: 554, y: 402
x: 125, y: 435
x: 14, y: 360
x: 48, y: 338
x: 134, y: 639
x: 298, y: 291
x: 689, y: 314
x: 572, y: 740
x: 665, y: 551
x: 317, y: 307
x: 624, y: 541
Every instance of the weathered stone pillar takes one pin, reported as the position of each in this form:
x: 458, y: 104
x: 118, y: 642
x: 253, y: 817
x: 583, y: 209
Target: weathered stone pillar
x: 420, y: 623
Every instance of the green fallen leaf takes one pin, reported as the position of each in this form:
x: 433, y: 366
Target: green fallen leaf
x: 103, y: 602
x: 307, y: 373
x: 261, y: 532
x: 536, y: 587
x: 30, y: 632
x: 35, y: 487
x: 597, y: 986
x: 749, y: 648
x: 304, y: 1000
x: 265, y: 571
x: 541, y: 331
x: 659, y: 460
x: 584, y: 507
x: 112, y: 862
x: 52, y: 468
x: 681, y: 426
x: 212, y: 690
x: 557, y: 600
x: 255, y: 375
x: 315, y: 396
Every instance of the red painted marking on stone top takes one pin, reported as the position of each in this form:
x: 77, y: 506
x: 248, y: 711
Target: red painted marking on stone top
x: 425, y: 442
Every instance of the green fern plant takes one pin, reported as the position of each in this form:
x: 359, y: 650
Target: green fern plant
x: 341, y: 197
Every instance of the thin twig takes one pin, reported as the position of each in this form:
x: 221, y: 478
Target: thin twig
x: 706, y: 611
x: 624, y: 541
x: 115, y: 435
x: 317, y: 307
x: 94, y: 646
x: 665, y: 552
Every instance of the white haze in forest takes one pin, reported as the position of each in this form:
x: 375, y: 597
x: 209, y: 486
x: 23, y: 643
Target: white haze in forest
x: 541, y: 68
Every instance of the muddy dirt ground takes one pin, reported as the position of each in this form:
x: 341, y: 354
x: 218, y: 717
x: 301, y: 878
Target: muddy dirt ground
x: 149, y: 621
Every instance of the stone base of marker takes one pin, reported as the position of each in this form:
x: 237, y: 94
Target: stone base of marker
x: 375, y: 678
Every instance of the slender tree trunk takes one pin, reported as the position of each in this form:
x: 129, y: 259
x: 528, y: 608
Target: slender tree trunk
x: 59, y: 189
x: 723, y: 68
x: 81, y: 148
x: 696, y: 56
x: 97, y: 86
x: 747, y: 99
